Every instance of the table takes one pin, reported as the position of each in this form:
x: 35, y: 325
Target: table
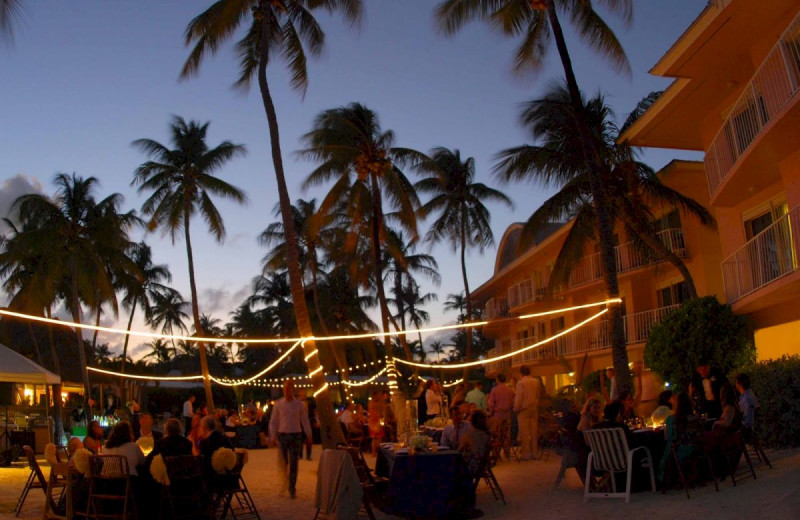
x: 434, y: 433
x: 247, y: 436
x: 427, y: 485
x: 656, y: 443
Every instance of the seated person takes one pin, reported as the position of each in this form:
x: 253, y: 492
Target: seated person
x: 475, y: 442
x: 348, y: 419
x: 590, y: 415
x: 453, y: 433
x: 212, y: 438
x: 120, y: 442
x: 233, y: 419
x: 94, y: 438
x: 612, y: 418
x: 664, y: 408
x: 146, y: 428
x: 73, y: 445
x: 729, y: 419
x: 678, y: 432
x: 173, y: 444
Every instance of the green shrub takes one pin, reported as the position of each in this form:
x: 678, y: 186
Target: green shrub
x: 776, y: 384
x: 701, y: 330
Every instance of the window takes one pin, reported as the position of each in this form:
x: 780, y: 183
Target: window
x: 671, y: 220
x: 761, y: 219
x: 673, y: 294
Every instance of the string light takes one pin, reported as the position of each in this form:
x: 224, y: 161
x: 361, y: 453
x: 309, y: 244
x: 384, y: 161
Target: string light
x: 365, y: 382
x: 569, y: 309
x: 454, y: 383
x: 149, y: 378
x: 509, y: 354
x: 315, y: 371
x: 321, y: 389
x: 310, y: 355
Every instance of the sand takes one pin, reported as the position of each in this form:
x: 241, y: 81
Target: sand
x: 529, y: 490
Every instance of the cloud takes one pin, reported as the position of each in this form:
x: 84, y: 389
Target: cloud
x: 13, y: 188
x: 219, y: 302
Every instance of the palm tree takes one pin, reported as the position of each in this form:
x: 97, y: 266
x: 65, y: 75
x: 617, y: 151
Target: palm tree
x: 536, y: 22
x: 167, y: 312
x: 632, y: 188
x: 456, y: 302
x: 9, y: 10
x: 160, y: 351
x: 438, y: 348
x: 362, y: 159
x: 140, y: 290
x: 77, y: 244
x: 463, y: 220
x: 285, y: 28
x: 182, y: 182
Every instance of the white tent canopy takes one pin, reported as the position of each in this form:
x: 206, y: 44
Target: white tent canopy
x: 16, y: 368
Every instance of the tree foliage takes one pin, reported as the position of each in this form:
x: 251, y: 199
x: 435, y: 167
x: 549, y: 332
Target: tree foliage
x: 702, y: 330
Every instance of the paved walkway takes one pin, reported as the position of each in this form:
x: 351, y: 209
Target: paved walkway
x: 529, y: 490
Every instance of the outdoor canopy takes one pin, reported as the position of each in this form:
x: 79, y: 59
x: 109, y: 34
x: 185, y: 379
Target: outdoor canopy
x: 16, y: 368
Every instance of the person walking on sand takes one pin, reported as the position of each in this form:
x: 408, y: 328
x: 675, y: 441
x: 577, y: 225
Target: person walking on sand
x: 526, y: 405
x: 288, y: 428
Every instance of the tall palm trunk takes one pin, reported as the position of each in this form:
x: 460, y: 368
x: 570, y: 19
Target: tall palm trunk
x: 58, y: 405
x: 196, y: 310
x: 467, y: 297
x: 35, y: 342
x: 330, y: 430
x: 123, y: 387
x: 96, y: 323
x: 337, y: 358
x: 75, y: 303
x: 605, y: 233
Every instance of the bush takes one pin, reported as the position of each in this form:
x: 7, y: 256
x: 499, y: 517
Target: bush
x: 702, y: 330
x: 776, y: 384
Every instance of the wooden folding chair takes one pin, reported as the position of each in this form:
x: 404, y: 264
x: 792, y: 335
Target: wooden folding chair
x: 36, y: 480
x: 184, y: 497
x: 610, y: 453
x: 110, y: 489
x: 733, y: 456
x: 753, y: 446
x: 486, y: 474
x: 232, y: 496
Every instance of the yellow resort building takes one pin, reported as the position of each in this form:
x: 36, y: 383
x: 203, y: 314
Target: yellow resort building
x: 650, y: 289
x: 734, y: 97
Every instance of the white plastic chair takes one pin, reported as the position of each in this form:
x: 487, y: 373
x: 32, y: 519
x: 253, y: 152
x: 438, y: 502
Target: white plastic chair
x: 610, y: 453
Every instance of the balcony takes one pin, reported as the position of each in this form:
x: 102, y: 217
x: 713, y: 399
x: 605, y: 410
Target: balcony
x: 594, y: 336
x: 767, y: 94
x: 766, y: 257
x: 496, y: 307
x: 525, y: 292
x: 628, y: 258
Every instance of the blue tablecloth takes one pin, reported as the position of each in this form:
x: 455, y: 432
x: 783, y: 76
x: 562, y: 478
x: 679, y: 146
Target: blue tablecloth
x: 426, y: 485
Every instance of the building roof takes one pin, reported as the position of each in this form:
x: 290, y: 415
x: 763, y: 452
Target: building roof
x: 510, y: 245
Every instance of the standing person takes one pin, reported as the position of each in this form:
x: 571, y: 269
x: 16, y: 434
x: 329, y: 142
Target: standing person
x: 477, y: 397
x: 706, y: 385
x: 287, y: 425
x: 422, y: 405
x: 501, y: 401
x: 433, y: 400
x: 377, y: 409
x: 188, y: 413
x: 612, y: 393
x: 526, y: 405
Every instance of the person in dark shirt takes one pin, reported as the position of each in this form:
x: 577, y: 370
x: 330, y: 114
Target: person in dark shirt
x: 612, y: 418
x: 706, y: 386
x: 213, y: 439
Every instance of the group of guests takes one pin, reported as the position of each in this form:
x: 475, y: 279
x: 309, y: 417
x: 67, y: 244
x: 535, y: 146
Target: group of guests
x: 378, y: 423
x: 730, y: 409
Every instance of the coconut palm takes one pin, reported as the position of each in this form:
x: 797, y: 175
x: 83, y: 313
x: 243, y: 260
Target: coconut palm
x: 160, y: 351
x: 9, y: 10
x: 438, y: 348
x: 167, y: 312
x: 456, y: 302
x: 536, y: 21
x: 631, y: 187
x: 77, y: 243
x: 182, y: 181
x: 140, y: 289
x: 361, y: 158
x: 457, y: 202
x: 284, y: 28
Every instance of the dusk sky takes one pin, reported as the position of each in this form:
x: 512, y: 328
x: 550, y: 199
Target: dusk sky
x: 84, y: 78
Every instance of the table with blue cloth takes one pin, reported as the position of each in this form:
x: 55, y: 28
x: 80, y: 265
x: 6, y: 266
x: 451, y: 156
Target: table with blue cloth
x: 425, y: 485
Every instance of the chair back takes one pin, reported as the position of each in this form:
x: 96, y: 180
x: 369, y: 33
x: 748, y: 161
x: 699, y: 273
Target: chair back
x: 109, y: 467
x: 609, y: 447
x: 364, y: 473
x: 184, y: 467
x: 34, y: 465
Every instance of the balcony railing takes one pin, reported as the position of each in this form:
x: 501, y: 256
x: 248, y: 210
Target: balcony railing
x: 588, y: 268
x: 524, y: 292
x: 775, y: 82
x: 594, y: 336
x: 771, y: 254
x: 496, y: 308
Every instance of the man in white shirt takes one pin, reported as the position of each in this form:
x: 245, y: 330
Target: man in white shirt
x: 526, y: 405
x: 346, y: 417
x: 287, y: 427
x: 188, y: 413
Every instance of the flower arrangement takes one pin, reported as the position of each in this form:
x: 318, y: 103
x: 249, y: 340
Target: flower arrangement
x: 437, y: 422
x: 81, y: 459
x: 419, y: 441
x: 158, y: 469
x: 223, y: 460
x: 50, y: 454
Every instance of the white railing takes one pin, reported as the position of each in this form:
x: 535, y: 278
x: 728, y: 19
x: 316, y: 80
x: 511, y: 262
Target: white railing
x: 766, y: 257
x: 503, y: 364
x: 524, y: 292
x: 628, y: 257
x: 496, y: 307
x: 594, y: 336
x: 775, y: 82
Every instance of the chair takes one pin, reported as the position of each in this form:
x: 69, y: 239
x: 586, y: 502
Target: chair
x: 354, y: 438
x: 230, y: 494
x: 548, y: 438
x: 610, y: 453
x: 110, y: 489
x: 673, y: 460
x: 500, y: 442
x: 184, y: 495
x: 60, y: 477
x: 373, y: 486
x: 485, y: 472
x: 36, y: 480
x: 753, y: 446
x: 733, y: 455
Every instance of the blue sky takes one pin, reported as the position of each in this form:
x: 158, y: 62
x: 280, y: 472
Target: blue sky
x: 84, y: 78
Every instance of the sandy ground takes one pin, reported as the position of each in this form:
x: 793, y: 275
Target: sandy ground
x: 528, y: 487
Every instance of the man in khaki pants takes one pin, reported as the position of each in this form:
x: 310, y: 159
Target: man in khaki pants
x: 526, y: 404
